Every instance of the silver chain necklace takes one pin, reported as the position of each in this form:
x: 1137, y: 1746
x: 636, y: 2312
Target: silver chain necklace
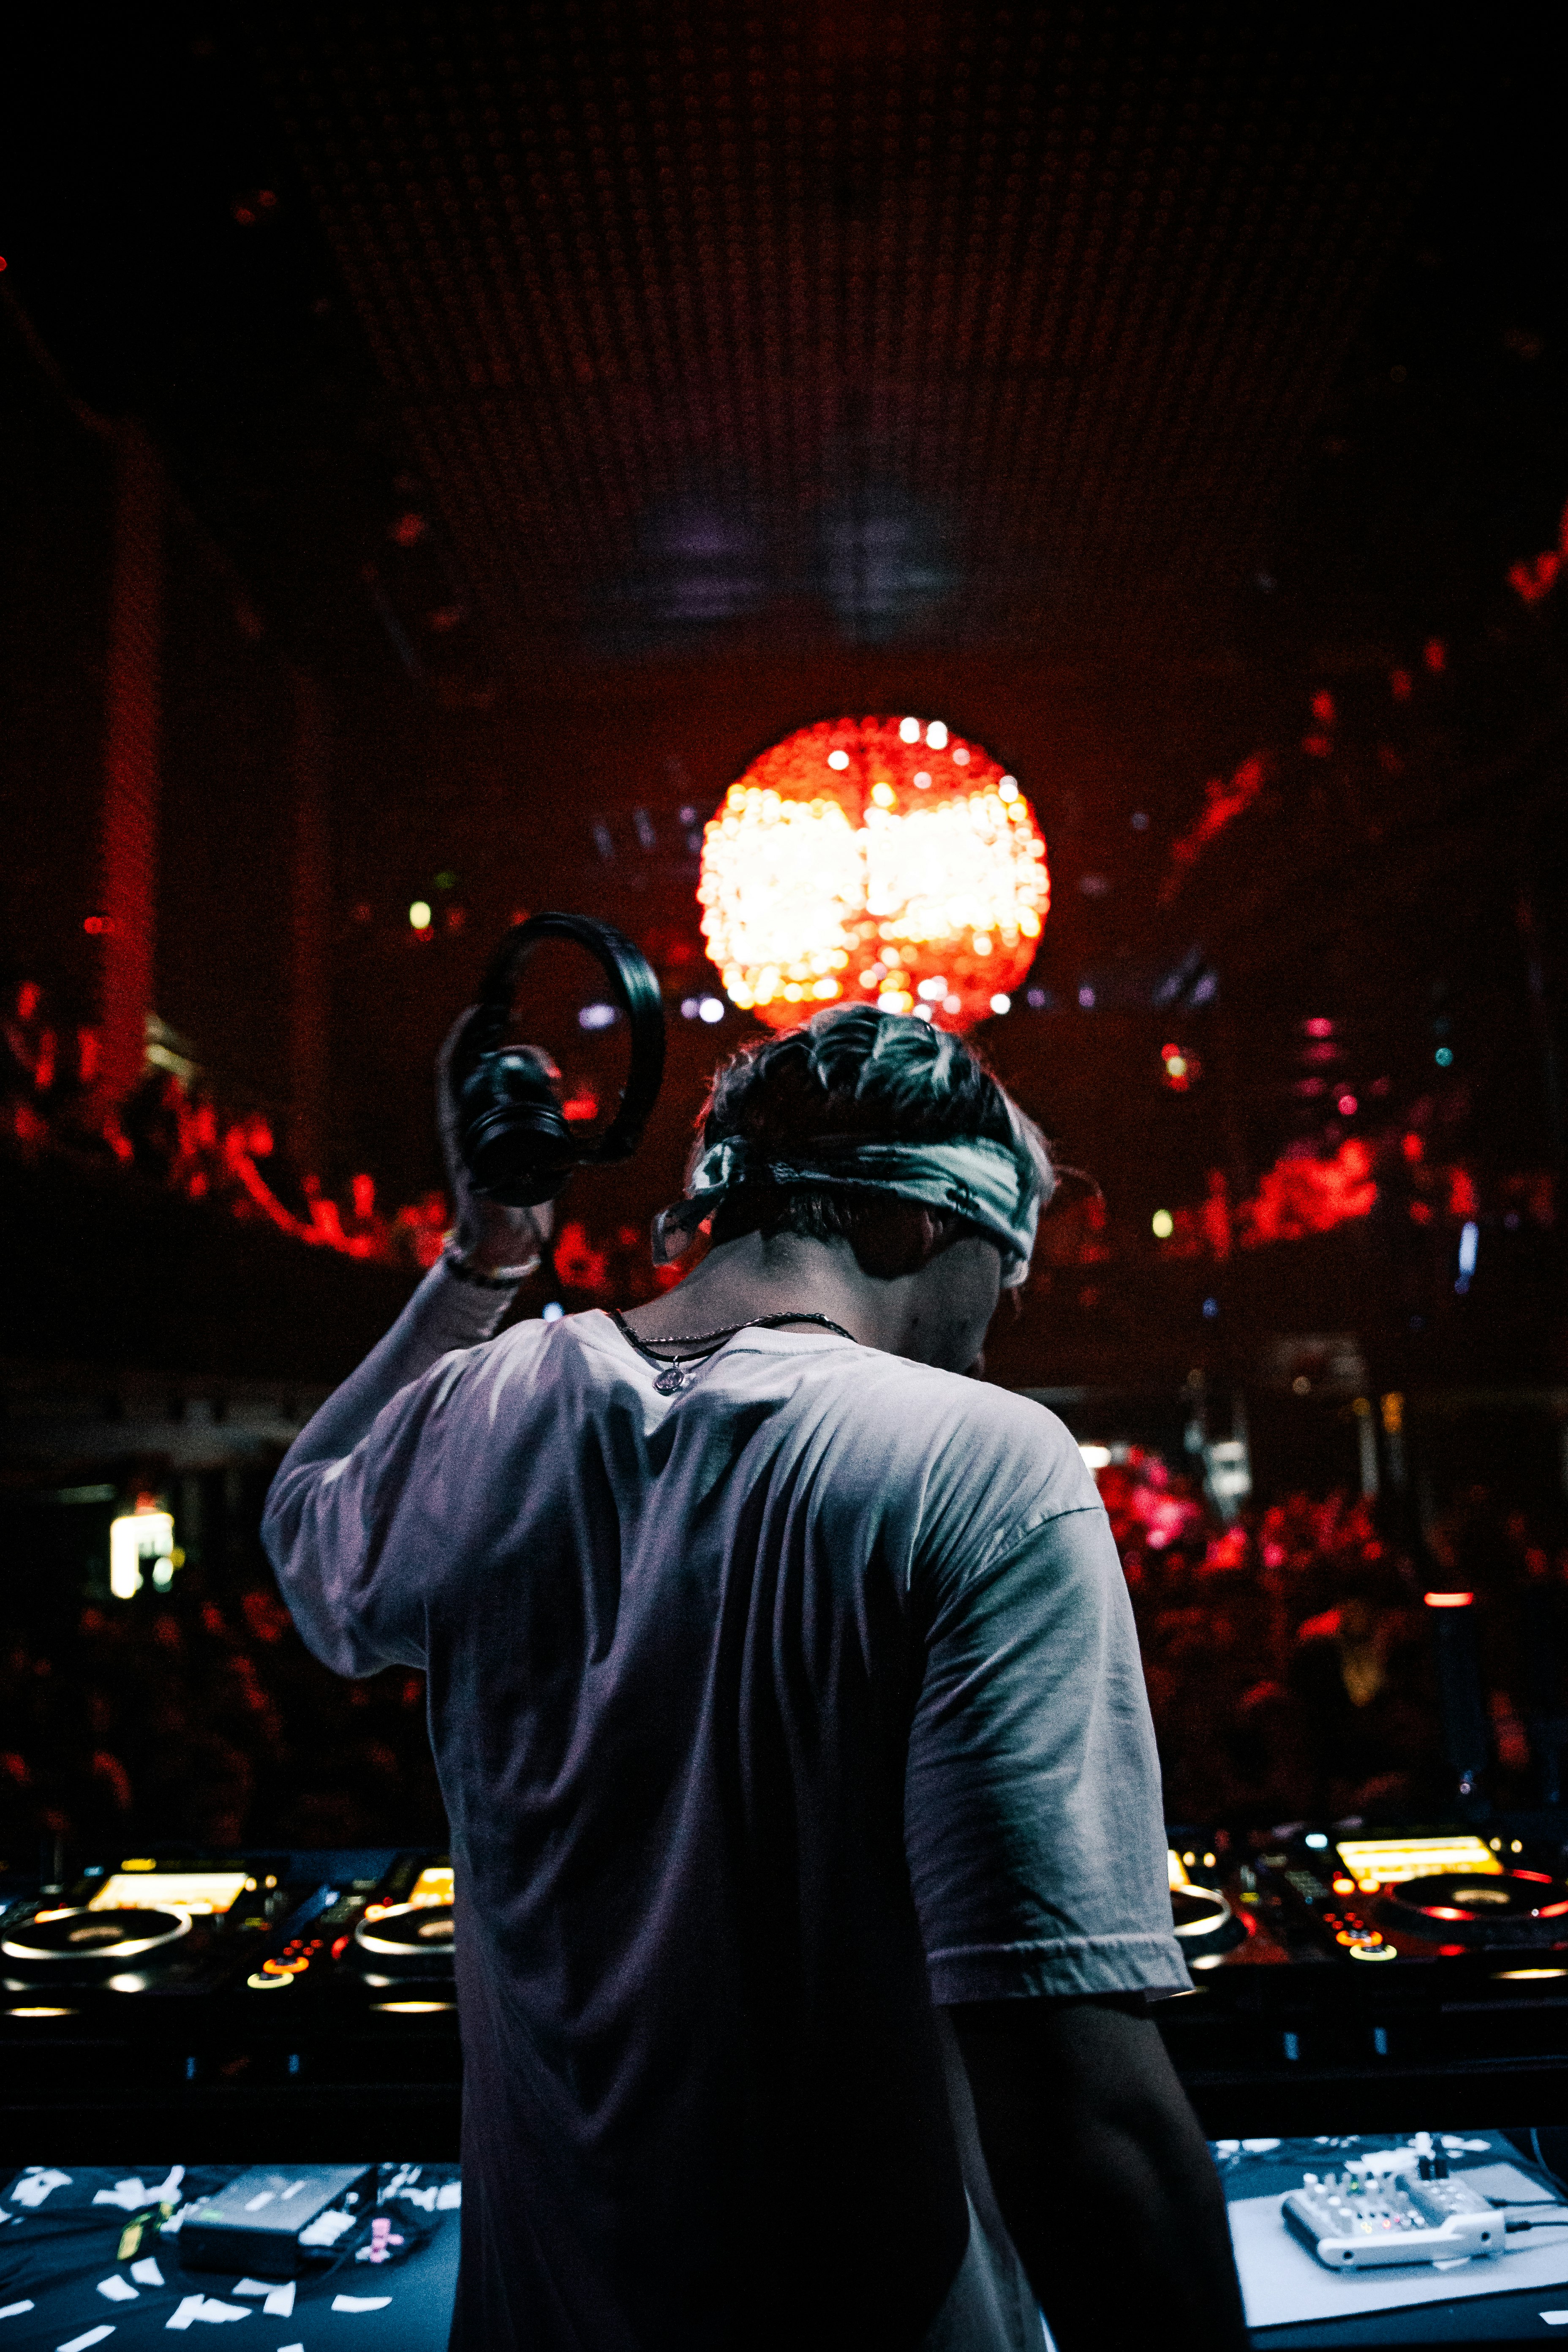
x: 673, y: 1378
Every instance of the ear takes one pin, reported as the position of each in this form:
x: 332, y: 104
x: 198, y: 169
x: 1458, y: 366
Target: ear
x: 899, y: 1237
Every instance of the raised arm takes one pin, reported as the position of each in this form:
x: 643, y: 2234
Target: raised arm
x: 331, y: 1506
x: 459, y: 1302
x: 1103, y: 2176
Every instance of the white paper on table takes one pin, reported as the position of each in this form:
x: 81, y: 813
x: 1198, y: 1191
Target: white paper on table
x: 361, y: 2302
x: 1282, y: 2284
x: 36, y: 2184
x: 449, y: 2198
x: 81, y: 2343
x: 280, y: 2303
x: 208, y: 2308
x: 115, y: 2289
x: 130, y: 2194
x: 14, y: 2310
x: 146, y: 2271
x: 251, y: 2286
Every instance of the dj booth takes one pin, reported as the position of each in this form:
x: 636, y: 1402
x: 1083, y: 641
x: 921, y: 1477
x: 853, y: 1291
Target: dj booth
x: 1377, y: 2046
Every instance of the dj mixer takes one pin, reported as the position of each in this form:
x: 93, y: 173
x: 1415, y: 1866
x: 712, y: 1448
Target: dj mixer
x: 383, y: 1942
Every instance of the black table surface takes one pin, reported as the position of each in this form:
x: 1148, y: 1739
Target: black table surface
x: 71, y: 2228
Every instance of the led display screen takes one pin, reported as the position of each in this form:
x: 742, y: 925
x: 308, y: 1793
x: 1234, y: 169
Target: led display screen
x: 206, y: 1893
x: 1390, y: 1861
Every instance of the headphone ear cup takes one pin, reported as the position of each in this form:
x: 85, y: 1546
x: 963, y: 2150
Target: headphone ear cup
x: 515, y: 1143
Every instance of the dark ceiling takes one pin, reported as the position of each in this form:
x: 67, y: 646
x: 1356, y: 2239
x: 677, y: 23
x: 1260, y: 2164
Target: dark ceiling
x: 503, y: 338
x: 833, y: 321
x: 538, y: 334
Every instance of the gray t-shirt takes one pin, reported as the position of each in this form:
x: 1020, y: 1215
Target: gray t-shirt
x: 768, y: 1718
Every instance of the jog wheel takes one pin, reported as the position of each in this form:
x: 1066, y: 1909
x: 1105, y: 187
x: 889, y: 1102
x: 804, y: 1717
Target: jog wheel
x: 1519, y: 1906
x: 409, y: 1937
x: 93, y: 1939
x: 1205, y: 1922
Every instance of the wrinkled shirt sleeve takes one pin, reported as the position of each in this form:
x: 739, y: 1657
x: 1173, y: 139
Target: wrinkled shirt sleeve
x: 355, y: 1541
x: 1033, y: 1817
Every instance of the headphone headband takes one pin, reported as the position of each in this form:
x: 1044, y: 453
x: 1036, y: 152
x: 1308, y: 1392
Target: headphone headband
x: 631, y: 977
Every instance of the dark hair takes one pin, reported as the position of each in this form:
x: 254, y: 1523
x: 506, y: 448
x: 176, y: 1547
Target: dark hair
x: 886, y: 1076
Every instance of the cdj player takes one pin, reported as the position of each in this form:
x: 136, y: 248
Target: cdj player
x: 1218, y: 1920
x: 1433, y: 1894
x: 409, y: 1940
x: 144, y: 1927
x: 1403, y: 1953
x: 239, y: 1997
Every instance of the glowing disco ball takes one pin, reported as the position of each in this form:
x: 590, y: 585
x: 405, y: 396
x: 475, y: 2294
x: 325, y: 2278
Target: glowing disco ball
x: 878, y: 861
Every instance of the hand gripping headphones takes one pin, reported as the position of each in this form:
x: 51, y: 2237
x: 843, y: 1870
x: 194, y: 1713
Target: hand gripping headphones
x: 514, y: 1140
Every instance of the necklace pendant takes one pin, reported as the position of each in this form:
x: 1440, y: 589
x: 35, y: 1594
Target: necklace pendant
x: 671, y: 1382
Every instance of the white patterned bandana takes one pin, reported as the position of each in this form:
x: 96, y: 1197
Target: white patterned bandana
x: 989, y: 1184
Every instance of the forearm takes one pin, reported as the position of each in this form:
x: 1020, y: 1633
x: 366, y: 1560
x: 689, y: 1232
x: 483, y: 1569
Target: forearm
x: 1103, y: 2179
x: 444, y: 1313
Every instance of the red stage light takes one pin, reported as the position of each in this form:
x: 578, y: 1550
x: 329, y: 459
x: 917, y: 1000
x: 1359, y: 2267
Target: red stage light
x: 1449, y: 1599
x: 876, y: 861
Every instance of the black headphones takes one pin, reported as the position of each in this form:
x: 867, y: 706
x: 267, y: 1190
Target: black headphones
x: 515, y: 1143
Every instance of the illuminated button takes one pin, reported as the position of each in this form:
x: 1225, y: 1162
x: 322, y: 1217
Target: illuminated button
x: 267, y: 1984
x: 1379, y: 1951
x: 1344, y: 1887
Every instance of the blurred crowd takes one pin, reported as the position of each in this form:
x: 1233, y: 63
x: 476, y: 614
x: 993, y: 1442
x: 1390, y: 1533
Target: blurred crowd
x: 174, y: 1719
x: 173, y: 1132
x: 1288, y: 1655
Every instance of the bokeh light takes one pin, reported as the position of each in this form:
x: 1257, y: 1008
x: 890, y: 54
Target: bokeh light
x: 879, y: 861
